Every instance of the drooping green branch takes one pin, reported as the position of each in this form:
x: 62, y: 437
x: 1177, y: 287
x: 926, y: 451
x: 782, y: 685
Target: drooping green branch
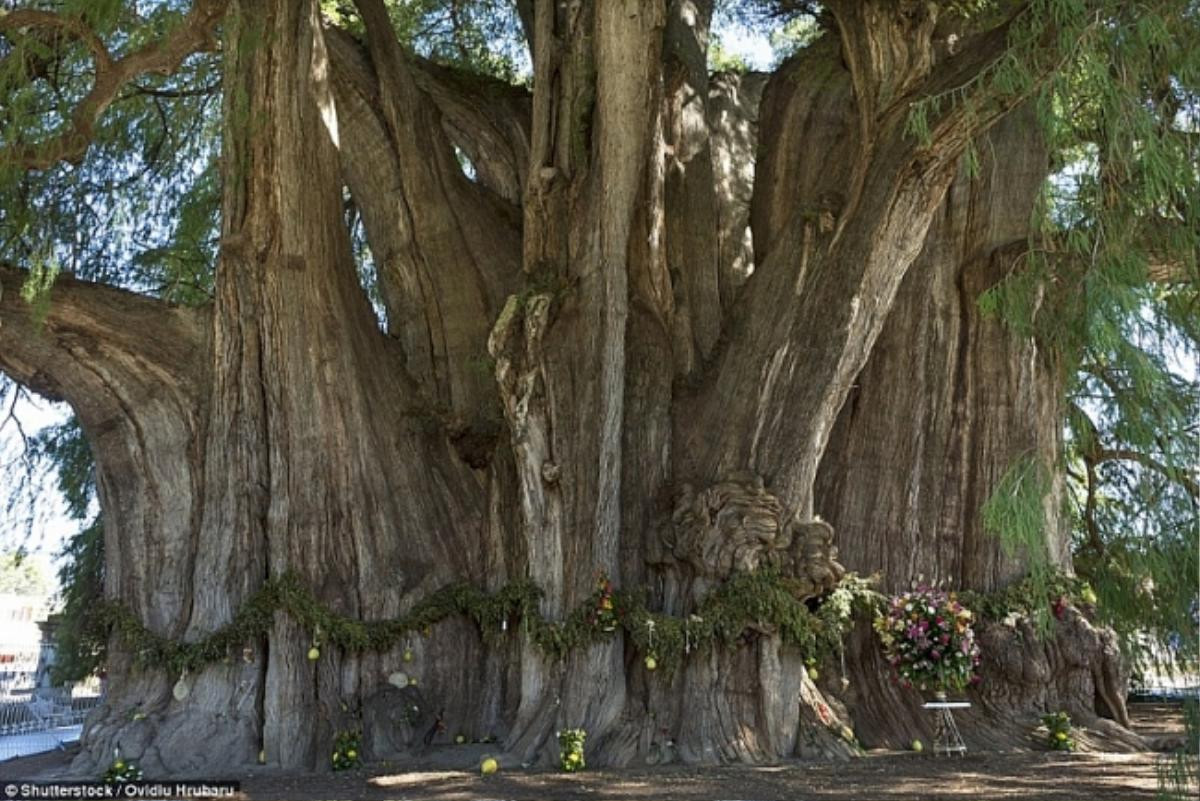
x: 51, y: 26
x: 1145, y: 460
x: 163, y: 56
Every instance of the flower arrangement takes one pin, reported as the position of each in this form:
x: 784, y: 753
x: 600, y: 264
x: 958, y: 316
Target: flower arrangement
x: 928, y: 638
x: 1058, y: 736
x: 570, y: 750
x: 122, y: 771
x: 347, y: 748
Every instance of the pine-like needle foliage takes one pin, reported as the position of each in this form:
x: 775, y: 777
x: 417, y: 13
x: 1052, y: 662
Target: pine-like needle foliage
x: 140, y: 209
x: 1110, y: 285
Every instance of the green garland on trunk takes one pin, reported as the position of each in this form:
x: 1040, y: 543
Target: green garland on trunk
x: 763, y: 601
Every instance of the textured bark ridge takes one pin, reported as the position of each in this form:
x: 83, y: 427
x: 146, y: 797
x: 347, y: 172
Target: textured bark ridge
x: 1078, y: 669
x: 671, y: 318
x: 307, y: 461
x: 906, y: 499
x: 756, y: 703
x: 1075, y: 667
x: 982, y: 396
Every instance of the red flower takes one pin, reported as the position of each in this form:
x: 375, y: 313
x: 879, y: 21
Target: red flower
x: 1060, y: 607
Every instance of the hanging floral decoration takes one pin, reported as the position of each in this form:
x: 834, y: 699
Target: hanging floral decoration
x: 929, y: 640
x: 764, y: 599
x: 605, y: 615
x: 651, y: 660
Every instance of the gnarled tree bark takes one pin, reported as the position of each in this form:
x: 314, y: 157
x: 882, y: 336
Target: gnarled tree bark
x: 661, y: 327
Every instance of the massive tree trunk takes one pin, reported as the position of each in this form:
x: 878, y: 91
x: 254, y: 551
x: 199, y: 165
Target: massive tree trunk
x: 615, y: 350
x: 906, y: 500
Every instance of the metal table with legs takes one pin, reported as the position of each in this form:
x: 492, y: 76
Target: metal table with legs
x: 946, y: 737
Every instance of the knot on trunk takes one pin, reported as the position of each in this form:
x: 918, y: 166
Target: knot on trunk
x: 738, y: 525
x: 515, y: 343
x: 396, y: 720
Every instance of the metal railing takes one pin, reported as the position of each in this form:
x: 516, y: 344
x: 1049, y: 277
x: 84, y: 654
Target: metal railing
x: 1165, y: 674
x: 43, y: 721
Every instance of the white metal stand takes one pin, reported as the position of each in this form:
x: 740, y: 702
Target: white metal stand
x: 946, y: 737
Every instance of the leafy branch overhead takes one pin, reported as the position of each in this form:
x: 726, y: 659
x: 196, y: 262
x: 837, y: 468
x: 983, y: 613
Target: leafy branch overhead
x: 193, y: 33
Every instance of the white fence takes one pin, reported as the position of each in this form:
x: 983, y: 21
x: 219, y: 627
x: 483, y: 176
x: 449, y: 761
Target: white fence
x: 1165, y: 674
x: 43, y: 721
x: 1166, y: 686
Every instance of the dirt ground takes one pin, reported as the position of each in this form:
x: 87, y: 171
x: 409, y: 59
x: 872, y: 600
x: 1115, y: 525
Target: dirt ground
x: 888, y: 776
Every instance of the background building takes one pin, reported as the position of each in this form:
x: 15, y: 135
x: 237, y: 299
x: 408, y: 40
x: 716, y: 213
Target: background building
x: 21, y: 642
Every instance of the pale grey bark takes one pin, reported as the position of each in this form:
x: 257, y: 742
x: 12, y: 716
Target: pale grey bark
x: 668, y: 322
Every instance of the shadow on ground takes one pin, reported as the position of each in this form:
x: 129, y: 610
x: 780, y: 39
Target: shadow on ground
x: 888, y: 776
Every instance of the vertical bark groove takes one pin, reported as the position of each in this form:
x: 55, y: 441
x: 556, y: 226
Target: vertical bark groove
x: 669, y: 320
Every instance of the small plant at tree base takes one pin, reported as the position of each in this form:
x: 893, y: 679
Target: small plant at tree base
x: 928, y: 639
x: 122, y: 771
x: 1059, y: 736
x: 570, y: 750
x: 347, y: 750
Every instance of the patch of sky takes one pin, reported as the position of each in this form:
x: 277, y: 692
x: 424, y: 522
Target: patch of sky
x: 35, y: 519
